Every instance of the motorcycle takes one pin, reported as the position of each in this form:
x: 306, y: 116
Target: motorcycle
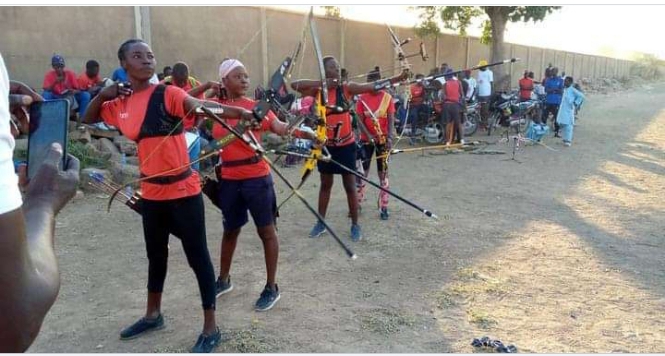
x: 429, y: 126
x: 506, y: 110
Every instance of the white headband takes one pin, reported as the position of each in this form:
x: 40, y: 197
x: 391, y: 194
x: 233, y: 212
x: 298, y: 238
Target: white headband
x: 227, y: 66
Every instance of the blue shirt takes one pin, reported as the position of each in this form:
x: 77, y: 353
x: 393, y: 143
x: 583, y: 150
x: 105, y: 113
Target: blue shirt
x: 554, y: 89
x: 119, y: 75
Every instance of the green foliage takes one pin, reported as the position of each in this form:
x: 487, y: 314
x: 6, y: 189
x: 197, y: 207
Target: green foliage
x: 332, y: 11
x: 428, y: 26
x: 459, y: 18
x: 87, y: 156
x: 486, y: 37
x: 648, y: 66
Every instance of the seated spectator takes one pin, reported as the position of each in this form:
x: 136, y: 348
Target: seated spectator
x: 119, y: 75
x: 90, y: 80
x: 165, y: 73
x: 61, y: 83
x: 180, y: 77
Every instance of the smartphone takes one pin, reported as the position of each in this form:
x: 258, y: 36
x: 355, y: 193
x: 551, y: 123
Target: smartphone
x: 48, y: 124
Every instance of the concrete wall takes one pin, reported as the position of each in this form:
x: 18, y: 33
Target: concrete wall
x: 519, y: 67
x: 259, y: 37
x: 31, y: 35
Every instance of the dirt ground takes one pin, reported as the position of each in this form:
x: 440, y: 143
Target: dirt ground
x: 559, y: 253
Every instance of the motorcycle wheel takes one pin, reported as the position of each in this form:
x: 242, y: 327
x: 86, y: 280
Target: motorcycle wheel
x: 440, y: 130
x: 493, y: 122
x: 471, y: 124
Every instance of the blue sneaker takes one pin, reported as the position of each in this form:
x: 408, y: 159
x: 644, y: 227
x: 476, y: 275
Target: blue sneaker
x: 267, y: 299
x: 223, y: 287
x: 205, y: 344
x: 142, y: 326
x: 318, y: 230
x: 356, y: 234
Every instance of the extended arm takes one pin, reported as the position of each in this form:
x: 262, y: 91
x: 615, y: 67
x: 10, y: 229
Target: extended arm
x: 28, y: 266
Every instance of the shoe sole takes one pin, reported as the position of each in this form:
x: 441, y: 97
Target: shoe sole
x: 224, y: 292
x: 143, y: 333
x: 269, y: 305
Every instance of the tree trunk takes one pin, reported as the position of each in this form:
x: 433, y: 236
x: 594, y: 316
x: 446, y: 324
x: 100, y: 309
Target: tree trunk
x: 499, y: 17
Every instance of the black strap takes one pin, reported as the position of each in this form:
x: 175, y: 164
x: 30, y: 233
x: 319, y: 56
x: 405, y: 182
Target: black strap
x: 164, y: 180
x: 336, y: 141
x: 158, y: 122
x: 242, y: 162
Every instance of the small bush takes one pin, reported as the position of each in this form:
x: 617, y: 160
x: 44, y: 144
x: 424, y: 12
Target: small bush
x: 86, y: 156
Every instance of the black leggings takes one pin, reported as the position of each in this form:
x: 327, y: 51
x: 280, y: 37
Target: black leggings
x: 185, y: 219
x: 368, y: 152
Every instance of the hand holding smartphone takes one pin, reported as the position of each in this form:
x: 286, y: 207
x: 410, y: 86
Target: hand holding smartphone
x: 48, y: 125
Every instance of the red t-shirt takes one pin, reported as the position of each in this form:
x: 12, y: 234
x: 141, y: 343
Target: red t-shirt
x: 189, y: 120
x: 238, y: 150
x: 373, y: 101
x: 156, y: 154
x: 85, y: 82
x: 346, y: 130
x: 70, y: 82
x: 453, y: 91
x: 526, y: 87
x: 417, y: 94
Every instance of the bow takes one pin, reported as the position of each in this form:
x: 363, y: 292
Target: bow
x: 436, y: 76
x: 320, y: 105
x: 402, y: 57
x: 252, y: 143
x: 132, y: 200
x: 362, y: 177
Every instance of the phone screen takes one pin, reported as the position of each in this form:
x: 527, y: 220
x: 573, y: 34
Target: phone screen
x: 48, y: 124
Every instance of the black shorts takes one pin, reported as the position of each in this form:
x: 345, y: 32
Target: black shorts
x: 345, y: 155
x: 257, y: 195
x: 451, y: 112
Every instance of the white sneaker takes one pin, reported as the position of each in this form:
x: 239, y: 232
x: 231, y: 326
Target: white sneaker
x: 461, y: 142
x: 567, y: 144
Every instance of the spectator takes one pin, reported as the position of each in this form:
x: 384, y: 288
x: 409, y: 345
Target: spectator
x: 28, y: 267
x: 119, y: 75
x: 473, y: 86
x: 485, y: 89
x: 554, y: 89
x: 180, y: 77
x: 90, y: 80
x: 165, y: 73
x: 443, y: 69
x: 571, y: 100
x: 526, y: 86
x: 417, y: 107
x: 452, y: 95
x: 61, y: 83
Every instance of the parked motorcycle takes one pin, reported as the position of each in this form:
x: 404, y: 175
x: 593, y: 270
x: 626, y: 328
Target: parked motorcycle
x: 506, y: 110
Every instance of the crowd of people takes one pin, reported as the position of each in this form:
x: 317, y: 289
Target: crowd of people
x: 157, y: 111
x: 443, y: 98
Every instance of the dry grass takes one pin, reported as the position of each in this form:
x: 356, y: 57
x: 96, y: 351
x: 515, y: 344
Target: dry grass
x: 386, y: 322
